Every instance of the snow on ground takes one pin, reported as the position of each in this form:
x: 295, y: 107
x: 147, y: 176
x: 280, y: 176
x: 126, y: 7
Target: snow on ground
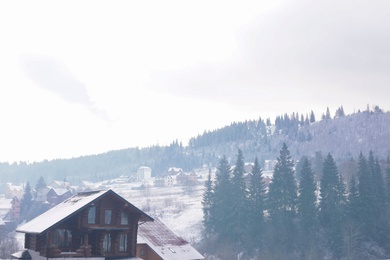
x: 179, y: 207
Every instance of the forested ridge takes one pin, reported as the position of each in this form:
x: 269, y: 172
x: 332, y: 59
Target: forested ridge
x: 345, y: 136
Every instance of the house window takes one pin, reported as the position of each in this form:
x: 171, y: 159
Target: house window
x: 107, y: 243
x: 92, y: 215
x: 142, y: 252
x: 123, y: 242
x: 124, y: 219
x: 107, y: 216
x: 62, y: 238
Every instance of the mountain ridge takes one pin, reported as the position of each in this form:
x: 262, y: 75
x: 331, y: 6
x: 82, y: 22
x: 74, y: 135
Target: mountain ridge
x: 344, y: 136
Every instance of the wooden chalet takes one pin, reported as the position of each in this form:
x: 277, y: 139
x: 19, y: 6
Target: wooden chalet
x: 95, y: 224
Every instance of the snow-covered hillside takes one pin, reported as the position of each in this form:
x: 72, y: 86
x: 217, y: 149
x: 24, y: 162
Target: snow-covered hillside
x: 179, y: 207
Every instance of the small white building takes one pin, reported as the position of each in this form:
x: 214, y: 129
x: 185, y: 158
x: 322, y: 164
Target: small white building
x: 144, y: 173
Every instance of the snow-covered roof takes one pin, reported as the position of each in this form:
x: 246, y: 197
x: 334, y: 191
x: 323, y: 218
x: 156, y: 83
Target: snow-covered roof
x: 165, y: 243
x: 67, y: 209
x: 15, y: 187
x: 60, y: 191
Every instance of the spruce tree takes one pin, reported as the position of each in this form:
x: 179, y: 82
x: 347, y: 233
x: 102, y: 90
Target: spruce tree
x: 26, y: 203
x: 239, y: 202
x: 41, y: 183
x: 282, y: 198
x: 378, y: 199
x: 366, y: 197
x: 221, y: 202
x: 327, y: 115
x: 388, y: 183
x: 207, y: 204
x: 257, y: 194
x: 312, y: 117
x: 307, y: 206
x: 352, y: 235
x: 353, y: 198
x: 332, y: 206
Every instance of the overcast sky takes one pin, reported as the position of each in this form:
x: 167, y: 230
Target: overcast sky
x: 86, y: 77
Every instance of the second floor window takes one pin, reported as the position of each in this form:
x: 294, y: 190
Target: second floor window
x: 107, y: 216
x: 124, y: 219
x: 92, y: 215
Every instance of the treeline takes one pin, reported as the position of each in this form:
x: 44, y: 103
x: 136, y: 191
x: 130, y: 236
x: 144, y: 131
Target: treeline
x: 104, y: 166
x: 235, y: 132
x: 298, y: 218
x: 286, y: 124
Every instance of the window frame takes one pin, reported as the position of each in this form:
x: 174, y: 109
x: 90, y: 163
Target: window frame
x: 108, y: 216
x: 91, y: 219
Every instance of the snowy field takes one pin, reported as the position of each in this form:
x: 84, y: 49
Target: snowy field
x: 179, y: 207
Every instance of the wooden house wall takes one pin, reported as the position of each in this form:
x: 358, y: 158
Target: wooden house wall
x: 87, y: 239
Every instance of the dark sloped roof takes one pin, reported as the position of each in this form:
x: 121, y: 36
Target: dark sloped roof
x: 70, y: 207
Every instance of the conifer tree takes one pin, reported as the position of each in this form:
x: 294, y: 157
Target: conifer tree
x: 388, y: 183
x: 207, y: 203
x: 353, y: 198
x: 327, y: 115
x: 366, y: 197
x: 239, y: 202
x: 221, y: 202
x: 307, y: 206
x: 41, y: 183
x: 257, y: 194
x: 332, y: 206
x: 312, y: 117
x: 378, y: 199
x: 26, y: 203
x: 282, y: 198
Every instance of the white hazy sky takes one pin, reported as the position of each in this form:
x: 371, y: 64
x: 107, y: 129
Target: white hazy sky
x: 86, y: 77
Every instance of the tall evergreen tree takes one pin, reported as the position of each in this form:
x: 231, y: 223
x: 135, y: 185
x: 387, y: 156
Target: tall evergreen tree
x: 41, y: 183
x: 221, y: 203
x: 332, y: 206
x: 388, y: 183
x: 312, y: 117
x: 366, y: 197
x: 353, y: 198
x: 352, y: 235
x: 239, y: 202
x: 378, y: 199
x: 327, y: 115
x: 26, y: 203
x: 207, y: 201
x: 257, y: 194
x: 307, y: 206
x: 282, y: 198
